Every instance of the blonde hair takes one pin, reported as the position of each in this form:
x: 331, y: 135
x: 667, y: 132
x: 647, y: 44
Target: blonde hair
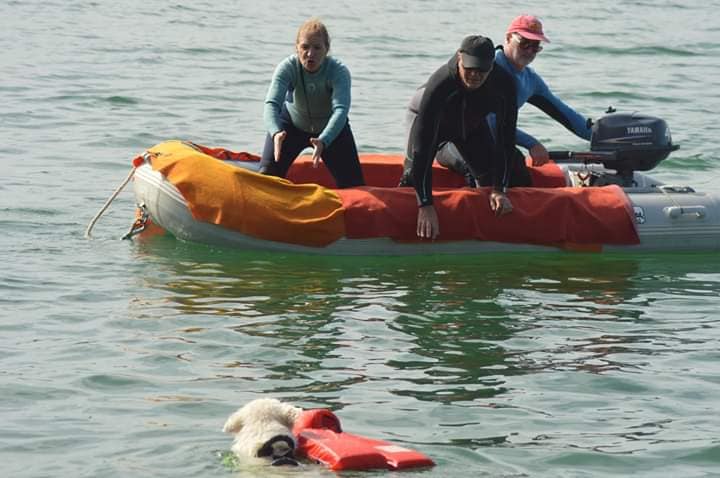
x: 311, y: 27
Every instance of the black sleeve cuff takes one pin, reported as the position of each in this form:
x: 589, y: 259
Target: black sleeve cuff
x: 422, y: 202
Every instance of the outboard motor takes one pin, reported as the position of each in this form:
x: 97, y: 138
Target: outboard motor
x: 625, y: 143
x: 635, y: 142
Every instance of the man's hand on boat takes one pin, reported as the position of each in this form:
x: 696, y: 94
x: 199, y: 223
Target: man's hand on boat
x: 318, y: 148
x: 500, y: 203
x: 277, y: 143
x: 428, y: 226
x: 539, y: 155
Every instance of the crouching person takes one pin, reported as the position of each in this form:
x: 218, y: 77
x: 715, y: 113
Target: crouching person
x: 453, y: 107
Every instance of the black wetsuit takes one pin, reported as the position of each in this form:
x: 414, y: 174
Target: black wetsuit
x: 449, y: 112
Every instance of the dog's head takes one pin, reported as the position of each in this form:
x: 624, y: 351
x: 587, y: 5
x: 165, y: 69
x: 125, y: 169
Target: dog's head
x: 263, y: 431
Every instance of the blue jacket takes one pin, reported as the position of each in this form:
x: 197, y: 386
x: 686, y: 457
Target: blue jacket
x: 531, y: 88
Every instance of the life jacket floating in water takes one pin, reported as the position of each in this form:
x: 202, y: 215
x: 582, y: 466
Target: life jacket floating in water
x: 320, y: 437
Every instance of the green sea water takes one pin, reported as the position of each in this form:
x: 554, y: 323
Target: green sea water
x: 124, y: 358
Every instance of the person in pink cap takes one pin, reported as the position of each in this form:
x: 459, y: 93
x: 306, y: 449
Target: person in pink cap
x: 523, y: 42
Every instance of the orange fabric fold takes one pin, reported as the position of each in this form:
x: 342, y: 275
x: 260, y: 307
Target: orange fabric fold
x: 260, y: 206
x: 548, y: 175
x: 227, y: 155
x: 562, y: 217
x: 380, y: 170
x: 384, y: 170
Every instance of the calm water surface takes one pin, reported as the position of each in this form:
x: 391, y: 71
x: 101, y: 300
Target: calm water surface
x: 124, y: 358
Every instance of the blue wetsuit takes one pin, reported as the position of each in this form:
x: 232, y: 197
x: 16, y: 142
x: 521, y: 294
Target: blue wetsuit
x: 531, y: 88
x: 307, y: 105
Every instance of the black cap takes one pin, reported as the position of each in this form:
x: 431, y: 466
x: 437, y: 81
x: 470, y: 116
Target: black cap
x: 477, y: 52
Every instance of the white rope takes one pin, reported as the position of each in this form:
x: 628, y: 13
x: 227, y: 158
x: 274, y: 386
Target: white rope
x: 107, y: 203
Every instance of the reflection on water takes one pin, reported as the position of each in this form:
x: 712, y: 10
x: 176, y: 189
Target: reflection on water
x: 435, y: 329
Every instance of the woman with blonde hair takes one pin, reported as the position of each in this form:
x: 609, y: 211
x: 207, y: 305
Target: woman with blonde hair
x: 307, y: 105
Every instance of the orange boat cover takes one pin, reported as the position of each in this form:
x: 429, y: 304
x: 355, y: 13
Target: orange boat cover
x: 260, y: 206
x: 562, y: 217
x: 309, y: 214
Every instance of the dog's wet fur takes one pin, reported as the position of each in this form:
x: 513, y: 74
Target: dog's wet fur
x: 263, y: 432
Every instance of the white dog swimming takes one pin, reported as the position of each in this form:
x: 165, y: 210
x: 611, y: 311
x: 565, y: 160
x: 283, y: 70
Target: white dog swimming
x: 263, y: 432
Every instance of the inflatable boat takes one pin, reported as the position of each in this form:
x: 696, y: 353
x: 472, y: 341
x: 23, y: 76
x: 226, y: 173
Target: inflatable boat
x: 599, y: 200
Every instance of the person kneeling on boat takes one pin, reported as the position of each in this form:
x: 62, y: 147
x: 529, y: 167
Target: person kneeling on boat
x: 454, y: 107
x: 307, y: 105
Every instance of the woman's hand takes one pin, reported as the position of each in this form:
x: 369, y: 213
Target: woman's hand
x: 277, y: 143
x: 500, y: 203
x: 318, y: 148
x: 428, y: 226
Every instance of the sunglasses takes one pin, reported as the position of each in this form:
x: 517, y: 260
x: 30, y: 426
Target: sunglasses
x: 526, y: 44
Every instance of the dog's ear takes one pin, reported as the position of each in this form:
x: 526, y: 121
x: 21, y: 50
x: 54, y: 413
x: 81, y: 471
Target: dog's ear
x: 289, y: 414
x: 234, y: 422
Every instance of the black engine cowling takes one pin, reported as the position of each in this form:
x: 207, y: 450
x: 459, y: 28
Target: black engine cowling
x: 633, y: 142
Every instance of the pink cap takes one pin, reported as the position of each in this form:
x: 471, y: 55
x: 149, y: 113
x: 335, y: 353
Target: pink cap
x: 528, y: 26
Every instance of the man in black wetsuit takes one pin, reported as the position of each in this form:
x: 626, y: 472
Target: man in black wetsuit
x: 454, y: 105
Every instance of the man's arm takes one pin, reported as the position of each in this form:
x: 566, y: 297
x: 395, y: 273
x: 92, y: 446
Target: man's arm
x: 423, y: 136
x: 554, y: 107
x: 506, y: 117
